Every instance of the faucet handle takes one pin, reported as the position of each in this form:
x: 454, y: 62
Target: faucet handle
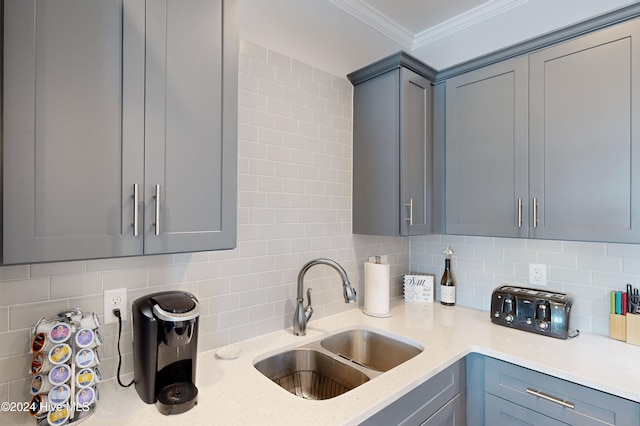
x: 308, y: 311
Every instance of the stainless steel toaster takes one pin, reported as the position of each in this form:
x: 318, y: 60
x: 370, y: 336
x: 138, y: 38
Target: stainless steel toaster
x: 532, y: 309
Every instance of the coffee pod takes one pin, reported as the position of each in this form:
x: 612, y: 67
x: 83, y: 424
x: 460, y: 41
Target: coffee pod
x: 85, y: 397
x: 40, y: 364
x: 59, y: 415
x: 40, y: 384
x: 87, y: 358
x: 44, y: 326
x: 60, y: 354
x: 60, y: 333
x: 38, y: 405
x: 60, y: 374
x: 86, y: 377
x: 85, y: 338
x: 40, y: 343
x: 97, y: 338
x: 59, y: 394
x: 90, y: 320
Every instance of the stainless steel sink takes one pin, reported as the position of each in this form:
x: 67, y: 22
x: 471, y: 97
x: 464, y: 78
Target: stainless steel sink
x: 331, y: 366
x: 310, y: 374
x: 370, y: 349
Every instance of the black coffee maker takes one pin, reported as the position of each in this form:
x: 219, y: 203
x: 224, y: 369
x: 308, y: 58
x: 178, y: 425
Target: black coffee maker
x: 165, y: 348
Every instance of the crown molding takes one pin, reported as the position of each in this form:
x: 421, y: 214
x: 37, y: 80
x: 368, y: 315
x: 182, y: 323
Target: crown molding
x: 467, y: 19
x: 408, y: 40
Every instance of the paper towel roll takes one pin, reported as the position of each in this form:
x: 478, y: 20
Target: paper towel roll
x: 376, y: 293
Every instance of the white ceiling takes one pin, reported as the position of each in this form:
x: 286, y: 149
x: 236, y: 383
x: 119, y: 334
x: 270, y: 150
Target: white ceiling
x: 341, y: 36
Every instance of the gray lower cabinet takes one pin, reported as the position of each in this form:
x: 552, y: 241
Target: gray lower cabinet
x: 103, y: 102
x: 518, y: 396
x: 392, y: 150
x: 544, y: 146
x: 439, y: 401
x: 500, y: 412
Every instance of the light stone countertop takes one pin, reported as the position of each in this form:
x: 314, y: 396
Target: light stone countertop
x: 233, y: 392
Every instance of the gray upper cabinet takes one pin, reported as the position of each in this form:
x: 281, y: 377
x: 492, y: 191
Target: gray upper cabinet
x: 392, y: 149
x: 487, y: 151
x: 69, y: 68
x: 543, y: 145
x: 99, y: 103
x: 190, y: 126
x: 584, y: 144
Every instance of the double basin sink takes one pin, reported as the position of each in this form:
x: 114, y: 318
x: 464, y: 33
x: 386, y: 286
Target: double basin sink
x: 335, y: 364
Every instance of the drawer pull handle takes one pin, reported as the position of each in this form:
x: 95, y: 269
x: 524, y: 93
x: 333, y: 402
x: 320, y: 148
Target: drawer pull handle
x: 535, y: 212
x: 551, y: 398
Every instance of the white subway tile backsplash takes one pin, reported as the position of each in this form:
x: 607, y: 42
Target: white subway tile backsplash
x: 279, y: 61
x: 16, y: 292
x: 600, y: 263
x: 25, y: 316
x: 4, y: 319
x: 588, y: 271
x: 65, y: 286
x: 130, y: 278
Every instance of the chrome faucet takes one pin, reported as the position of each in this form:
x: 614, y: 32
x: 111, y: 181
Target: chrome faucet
x: 302, y: 314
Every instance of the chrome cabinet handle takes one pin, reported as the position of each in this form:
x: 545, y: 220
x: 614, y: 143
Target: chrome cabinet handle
x: 410, y: 218
x: 535, y: 212
x: 519, y: 212
x: 157, y: 218
x: 136, y: 212
x: 551, y: 398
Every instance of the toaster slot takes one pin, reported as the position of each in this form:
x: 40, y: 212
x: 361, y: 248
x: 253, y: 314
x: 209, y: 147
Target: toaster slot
x: 543, y: 314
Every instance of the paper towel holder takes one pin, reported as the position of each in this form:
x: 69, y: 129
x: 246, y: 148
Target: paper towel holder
x: 376, y: 296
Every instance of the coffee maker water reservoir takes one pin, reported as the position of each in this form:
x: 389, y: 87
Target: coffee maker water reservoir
x: 165, y: 348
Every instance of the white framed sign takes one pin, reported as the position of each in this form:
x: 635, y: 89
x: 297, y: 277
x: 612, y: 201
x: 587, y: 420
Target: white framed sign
x: 419, y: 287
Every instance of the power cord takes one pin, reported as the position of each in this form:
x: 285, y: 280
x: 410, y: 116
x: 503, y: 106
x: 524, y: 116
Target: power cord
x: 116, y: 312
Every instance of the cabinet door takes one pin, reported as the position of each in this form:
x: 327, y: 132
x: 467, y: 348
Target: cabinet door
x: 487, y: 151
x: 191, y: 109
x: 585, y: 155
x: 72, y: 110
x: 416, y: 156
x: 589, y: 407
x: 452, y: 414
x: 427, y: 400
x: 500, y: 412
x: 376, y: 180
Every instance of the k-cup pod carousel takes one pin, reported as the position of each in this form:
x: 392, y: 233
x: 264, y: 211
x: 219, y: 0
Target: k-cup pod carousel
x: 64, y: 368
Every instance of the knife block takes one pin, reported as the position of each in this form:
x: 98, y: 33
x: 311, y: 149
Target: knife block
x: 625, y: 328
x: 618, y: 327
x: 633, y: 329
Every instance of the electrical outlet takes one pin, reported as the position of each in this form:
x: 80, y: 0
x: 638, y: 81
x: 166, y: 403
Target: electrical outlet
x: 115, y: 299
x: 538, y: 274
